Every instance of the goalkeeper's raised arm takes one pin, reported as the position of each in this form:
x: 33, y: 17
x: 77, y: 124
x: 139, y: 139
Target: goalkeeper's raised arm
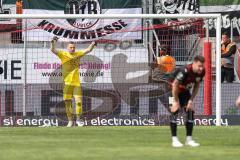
x: 53, y: 44
x: 90, y: 47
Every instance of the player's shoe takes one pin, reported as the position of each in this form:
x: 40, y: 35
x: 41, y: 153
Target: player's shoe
x: 80, y: 123
x: 176, y: 143
x: 192, y: 143
x: 70, y: 124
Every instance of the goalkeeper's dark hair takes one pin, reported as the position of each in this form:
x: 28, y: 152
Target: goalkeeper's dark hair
x: 199, y: 58
x: 71, y: 42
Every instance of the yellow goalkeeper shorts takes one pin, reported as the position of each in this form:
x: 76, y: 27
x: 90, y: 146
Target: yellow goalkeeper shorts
x: 72, y: 91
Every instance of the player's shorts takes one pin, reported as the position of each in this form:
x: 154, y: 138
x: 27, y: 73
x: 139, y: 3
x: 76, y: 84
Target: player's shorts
x: 72, y: 91
x: 167, y: 99
x: 184, y: 98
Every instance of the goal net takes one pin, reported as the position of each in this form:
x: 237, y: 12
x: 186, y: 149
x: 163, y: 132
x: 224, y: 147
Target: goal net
x: 116, y: 77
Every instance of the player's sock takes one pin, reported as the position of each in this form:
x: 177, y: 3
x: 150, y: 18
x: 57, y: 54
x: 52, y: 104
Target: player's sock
x: 173, y: 124
x: 79, y: 122
x: 175, y: 138
x: 189, y: 123
x: 189, y: 128
x: 69, y: 110
x: 78, y: 110
x: 189, y: 138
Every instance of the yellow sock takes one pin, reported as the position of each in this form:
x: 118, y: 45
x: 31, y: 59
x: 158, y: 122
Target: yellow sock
x: 69, y: 110
x: 78, y: 109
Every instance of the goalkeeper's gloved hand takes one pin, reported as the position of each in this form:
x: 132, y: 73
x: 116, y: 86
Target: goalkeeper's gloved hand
x: 94, y: 43
x: 54, y: 39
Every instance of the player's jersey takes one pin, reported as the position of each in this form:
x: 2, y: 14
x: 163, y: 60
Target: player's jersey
x: 186, y: 77
x: 70, y: 64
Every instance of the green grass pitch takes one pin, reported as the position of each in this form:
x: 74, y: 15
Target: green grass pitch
x: 116, y: 143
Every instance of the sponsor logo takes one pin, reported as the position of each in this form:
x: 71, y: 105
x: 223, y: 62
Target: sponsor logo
x: 204, y: 121
x: 116, y: 120
x: 82, y: 28
x: 82, y: 35
x: 137, y: 121
x: 29, y: 121
x: 82, y: 7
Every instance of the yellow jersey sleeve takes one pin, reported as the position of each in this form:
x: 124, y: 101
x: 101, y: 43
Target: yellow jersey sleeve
x: 80, y: 53
x: 61, y: 54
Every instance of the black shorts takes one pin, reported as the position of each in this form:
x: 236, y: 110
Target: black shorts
x: 168, y: 99
x: 184, y: 98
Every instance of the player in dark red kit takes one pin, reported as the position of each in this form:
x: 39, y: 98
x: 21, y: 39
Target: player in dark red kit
x: 185, y: 83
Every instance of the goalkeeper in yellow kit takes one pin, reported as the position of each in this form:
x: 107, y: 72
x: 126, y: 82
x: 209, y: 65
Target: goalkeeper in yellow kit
x: 70, y: 60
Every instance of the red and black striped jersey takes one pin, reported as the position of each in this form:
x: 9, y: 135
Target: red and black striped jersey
x: 186, y: 77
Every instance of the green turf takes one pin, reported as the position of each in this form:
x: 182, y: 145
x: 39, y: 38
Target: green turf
x: 116, y: 143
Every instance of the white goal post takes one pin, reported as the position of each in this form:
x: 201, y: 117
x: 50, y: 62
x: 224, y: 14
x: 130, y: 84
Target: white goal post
x: 146, y: 16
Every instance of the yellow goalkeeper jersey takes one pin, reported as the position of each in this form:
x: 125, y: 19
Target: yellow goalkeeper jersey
x: 70, y: 66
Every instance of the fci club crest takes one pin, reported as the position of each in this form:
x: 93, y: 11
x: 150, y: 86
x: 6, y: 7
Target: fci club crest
x: 82, y: 7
